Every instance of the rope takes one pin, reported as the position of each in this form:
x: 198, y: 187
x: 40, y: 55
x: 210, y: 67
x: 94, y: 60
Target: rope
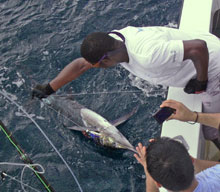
x: 25, y: 158
x: 30, y: 166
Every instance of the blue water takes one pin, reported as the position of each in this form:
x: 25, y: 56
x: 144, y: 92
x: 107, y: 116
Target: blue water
x: 37, y: 39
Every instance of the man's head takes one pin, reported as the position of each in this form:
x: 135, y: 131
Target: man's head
x: 96, y: 45
x: 169, y: 164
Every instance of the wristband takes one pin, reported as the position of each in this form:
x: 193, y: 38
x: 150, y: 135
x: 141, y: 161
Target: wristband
x: 49, y: 90
x: 197, y: 116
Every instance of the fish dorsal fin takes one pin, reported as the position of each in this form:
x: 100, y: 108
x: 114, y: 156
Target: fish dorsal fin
x: 124, y: 118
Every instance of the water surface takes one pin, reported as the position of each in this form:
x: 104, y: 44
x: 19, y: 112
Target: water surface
x: 37, y: 39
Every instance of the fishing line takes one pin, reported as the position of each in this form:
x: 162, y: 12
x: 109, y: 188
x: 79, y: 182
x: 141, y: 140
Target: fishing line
x: 30, y: 166
x: 97, y: 93
x: 78, y: 94
x: 29, y: 116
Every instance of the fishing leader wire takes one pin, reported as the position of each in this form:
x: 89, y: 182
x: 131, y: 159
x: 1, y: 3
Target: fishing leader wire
x: 29, y: 116
x: 98, y: 93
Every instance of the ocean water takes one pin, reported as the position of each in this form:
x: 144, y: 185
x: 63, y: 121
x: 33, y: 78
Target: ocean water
x: 37, y: 39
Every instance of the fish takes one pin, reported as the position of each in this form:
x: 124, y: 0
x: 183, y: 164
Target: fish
x: 90, y: 123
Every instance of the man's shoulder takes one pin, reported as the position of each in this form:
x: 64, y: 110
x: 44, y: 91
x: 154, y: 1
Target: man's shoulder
x: 209, y: 179
x: 215, y: 168
x: 211, y: 173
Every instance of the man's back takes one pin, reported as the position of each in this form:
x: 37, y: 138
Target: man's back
x: 156, y: 54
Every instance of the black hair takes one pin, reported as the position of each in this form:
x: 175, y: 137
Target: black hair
x: 95, y: 45
x: 169, y: 163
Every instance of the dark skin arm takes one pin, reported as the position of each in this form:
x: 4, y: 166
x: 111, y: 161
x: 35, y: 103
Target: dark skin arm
x: 197, y: 51
x: 70, y: 72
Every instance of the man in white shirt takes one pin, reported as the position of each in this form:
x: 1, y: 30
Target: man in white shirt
x: 159, y: 55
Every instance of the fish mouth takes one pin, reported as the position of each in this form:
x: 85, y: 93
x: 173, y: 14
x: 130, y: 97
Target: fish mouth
x: 106, y: 140
x: 128, y: 148
x: 110, y: 142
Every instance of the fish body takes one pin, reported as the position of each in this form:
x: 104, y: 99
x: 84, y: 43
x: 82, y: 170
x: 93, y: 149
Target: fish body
x: 90, y: 123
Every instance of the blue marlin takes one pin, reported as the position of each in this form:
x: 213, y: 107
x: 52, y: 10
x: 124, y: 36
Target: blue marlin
x: 90, y: 123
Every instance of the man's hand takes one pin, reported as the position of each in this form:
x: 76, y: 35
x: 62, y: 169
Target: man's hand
x: 182, y: 113
x: 42, y: 91
x: 195, y: 87
x: 141, y: 157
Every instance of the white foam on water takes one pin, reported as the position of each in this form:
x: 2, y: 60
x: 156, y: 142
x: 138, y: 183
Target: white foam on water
x: 21, y: 114
x: 46, y: 53
x: 172, y: 25
x: 40, y: 117
x: 148, y: 89
x: 20, y: 81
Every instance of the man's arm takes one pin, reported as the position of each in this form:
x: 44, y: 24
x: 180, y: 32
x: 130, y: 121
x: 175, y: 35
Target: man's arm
x: 70, y: 72
x: 197, y: 51
x: 209, y: 119
x: 182, y: 113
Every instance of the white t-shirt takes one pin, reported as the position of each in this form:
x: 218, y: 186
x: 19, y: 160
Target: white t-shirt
x: 156, y: 54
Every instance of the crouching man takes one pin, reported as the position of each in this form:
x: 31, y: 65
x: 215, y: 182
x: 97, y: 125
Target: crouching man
x: 168, y: 164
